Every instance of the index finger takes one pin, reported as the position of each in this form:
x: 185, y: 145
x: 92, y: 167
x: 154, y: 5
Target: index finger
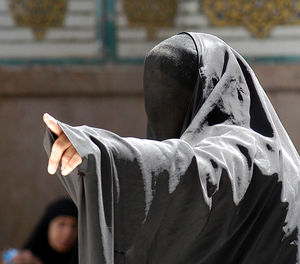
x: 52, y: 124
x: 58, y: 148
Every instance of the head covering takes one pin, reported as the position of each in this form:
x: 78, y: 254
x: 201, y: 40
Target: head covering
x: 228, y: 99
x: 38, y: 242
x: 226, y: 190
x: 231, y: 117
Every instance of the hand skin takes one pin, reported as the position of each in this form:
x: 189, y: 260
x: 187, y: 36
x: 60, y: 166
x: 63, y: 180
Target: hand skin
x: 62, y: 149
x: 25, y: 257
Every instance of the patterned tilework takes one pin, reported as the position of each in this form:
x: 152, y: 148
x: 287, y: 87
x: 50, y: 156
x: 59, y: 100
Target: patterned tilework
x: 270, y: 31
x: 31, y: 29
x: 128, y: 29
x: 258, y: 16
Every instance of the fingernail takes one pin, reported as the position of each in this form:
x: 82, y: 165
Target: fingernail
x: 49, y: 116
x: 51, y: 170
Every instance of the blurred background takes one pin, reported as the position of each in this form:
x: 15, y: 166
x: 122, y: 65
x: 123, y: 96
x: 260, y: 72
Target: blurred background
x: 82, y: 61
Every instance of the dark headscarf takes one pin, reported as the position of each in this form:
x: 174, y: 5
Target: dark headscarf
x: 38, y: 242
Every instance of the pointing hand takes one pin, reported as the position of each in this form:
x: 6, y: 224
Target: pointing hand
x: 62, y: 149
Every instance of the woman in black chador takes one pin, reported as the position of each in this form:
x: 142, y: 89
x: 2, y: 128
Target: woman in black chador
x: 216, y: 182
x: 54, y: 240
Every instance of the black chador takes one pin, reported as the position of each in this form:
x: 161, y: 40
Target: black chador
x: 217, y: 180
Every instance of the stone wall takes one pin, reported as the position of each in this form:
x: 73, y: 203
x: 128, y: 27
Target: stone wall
x: 106, y: 97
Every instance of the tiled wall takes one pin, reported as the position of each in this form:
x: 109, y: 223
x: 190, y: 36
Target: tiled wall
x: 75, y: 37
x: 115, y: 29
x: 132, y: 41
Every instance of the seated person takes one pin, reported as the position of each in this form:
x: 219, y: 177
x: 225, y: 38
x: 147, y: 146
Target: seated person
x: 54, y: 240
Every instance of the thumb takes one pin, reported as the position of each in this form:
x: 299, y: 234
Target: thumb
x: 52, y: 124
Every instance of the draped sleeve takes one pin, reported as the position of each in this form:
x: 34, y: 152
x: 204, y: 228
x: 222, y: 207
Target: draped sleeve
x: 123, y: 190
x: 146, y: 201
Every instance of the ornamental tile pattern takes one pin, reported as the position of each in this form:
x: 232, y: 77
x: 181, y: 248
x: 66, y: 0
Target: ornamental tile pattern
x: 259, y: 16
x: 151, y: 15
x: 39, y: 15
